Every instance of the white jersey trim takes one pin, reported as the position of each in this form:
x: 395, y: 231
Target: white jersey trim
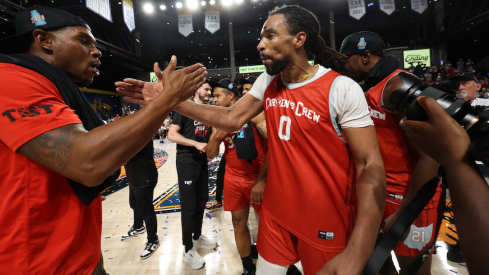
x: 332, y: 109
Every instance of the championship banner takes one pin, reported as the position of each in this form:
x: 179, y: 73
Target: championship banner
x: 357, y: 8
x: 185, y: 26
x: 128, y: 11
x: 413, y: 57
x: 212, y: 23
x: 419, y: 6
x: 387, y: 6
x: 102, y: 7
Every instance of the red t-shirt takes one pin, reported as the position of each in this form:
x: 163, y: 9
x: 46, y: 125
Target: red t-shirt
x: 45, y: 228
x: 241, y: 167
x: 311, y: 180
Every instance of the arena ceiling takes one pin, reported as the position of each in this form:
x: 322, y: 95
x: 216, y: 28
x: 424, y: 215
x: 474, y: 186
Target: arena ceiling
x: 465, y: 29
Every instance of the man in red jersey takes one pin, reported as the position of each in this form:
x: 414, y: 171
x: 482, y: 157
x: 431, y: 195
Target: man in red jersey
x: 325, y: 191
x: 56, y: 153
x: 406, y: 169
x: 245, y: 156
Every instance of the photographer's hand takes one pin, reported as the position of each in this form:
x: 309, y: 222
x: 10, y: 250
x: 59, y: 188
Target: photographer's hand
x: 447, y: 142
x: 441, y: 137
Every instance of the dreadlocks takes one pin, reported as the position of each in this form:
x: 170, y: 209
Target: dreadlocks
x: 300, y: 19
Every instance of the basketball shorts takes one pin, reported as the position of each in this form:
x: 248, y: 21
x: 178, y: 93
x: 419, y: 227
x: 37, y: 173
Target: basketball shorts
x: 237, y: 193
x: 278, y: 246
x: 421, y: 232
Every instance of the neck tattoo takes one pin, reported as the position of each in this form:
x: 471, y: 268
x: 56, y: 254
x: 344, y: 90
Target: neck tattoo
x: 306, y: 75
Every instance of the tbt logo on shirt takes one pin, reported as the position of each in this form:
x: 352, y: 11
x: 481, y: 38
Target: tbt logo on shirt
x: 14, y: 114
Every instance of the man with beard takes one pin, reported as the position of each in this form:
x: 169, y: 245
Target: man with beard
x: 56, y: 153
x: 325, y: 191
x: 407, y: 170
x: 191, y: 137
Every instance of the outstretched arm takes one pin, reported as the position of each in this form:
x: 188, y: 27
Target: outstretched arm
x: 90, y: 157
x: 468, y: 190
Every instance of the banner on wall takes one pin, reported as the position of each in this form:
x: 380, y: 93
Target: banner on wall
x: 101, y: 7
x: 387, y: 6
x: 212, y: 22
x: 411, y: 58
x: 419, y: 6
x: 357, y: 8
x: 128, y: 11
x: 185, y: 26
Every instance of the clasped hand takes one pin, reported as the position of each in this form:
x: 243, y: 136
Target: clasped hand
x: 178, y: 85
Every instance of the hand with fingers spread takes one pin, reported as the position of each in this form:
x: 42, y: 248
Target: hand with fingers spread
x: 179, y: 85
x: 441, y: 137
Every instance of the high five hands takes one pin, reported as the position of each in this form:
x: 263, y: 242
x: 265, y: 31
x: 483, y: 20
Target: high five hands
x: 178, y: 85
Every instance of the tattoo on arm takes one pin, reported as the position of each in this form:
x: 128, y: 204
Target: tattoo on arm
x: 53, y: 149
x: 262, y: 129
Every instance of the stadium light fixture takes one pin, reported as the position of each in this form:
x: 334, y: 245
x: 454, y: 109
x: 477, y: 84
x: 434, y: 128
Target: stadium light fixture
x: 148, y: 8
x: 227, y: 3
x: 203, y: 3
x: 179, y: 5
x: 162, y: 7
x: 192, y: 4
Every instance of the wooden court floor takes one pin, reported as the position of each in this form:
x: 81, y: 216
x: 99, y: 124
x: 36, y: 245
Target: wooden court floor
x: 122, y: 257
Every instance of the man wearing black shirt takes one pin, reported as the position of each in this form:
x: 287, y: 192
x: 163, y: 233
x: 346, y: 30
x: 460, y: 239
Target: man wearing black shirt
x: 191, y: 137
x: 142, y: 177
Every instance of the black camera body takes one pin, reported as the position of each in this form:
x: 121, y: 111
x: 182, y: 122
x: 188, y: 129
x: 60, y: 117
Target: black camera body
x: 473, y: 121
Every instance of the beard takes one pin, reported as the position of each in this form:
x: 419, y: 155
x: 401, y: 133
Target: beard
x: 203, y: 97
x: 277, y: 65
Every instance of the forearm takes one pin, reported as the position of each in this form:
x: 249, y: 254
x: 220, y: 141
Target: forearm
x: 426, y: 168
x: 212, y: 149
x: 470, y: 199
x: 101, y: 151
x: 262, y: 175
x: 228, y: 119
x: 371, y: 190
x: 179, y: 139
x: 215, y: 116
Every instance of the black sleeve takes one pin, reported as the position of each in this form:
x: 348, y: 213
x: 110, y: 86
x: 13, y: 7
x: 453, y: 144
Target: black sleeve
x: 178, y: 119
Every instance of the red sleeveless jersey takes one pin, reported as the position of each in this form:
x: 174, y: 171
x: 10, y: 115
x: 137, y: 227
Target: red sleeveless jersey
x: 393, y: 145
x: 311, y: 181
x: 241, y: 167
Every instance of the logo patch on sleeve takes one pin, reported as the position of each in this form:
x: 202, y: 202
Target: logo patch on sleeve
x: 329, y: 236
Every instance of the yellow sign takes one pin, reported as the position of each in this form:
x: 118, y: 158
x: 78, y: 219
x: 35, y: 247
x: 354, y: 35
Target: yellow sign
x: 414, y: 56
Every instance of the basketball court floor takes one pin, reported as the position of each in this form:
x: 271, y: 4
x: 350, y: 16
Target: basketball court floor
x: 122, y: 257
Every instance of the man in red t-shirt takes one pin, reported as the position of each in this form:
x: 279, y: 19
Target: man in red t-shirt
x: 242, y: 176
x: 406, y: 169
x: 325, y: 191
x: 50, y: 211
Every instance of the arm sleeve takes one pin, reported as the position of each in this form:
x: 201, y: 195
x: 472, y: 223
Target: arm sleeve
x: 30, y: 105
x: 350, y: 105
x: 260, y: 85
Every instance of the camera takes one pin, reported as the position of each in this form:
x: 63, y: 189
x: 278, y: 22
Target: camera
x: 473, y: 121
x: 447, y: 85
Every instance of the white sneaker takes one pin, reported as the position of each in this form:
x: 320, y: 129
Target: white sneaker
x: 193, y: 259
x: 204, y: 242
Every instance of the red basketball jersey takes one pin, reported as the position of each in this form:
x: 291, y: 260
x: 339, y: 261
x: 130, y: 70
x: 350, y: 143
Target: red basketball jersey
x: 311, y: 181
x: 393, y: 145
x: 241, y: 167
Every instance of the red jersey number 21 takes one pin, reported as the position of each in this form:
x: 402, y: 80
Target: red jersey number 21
x: 284, y: 130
